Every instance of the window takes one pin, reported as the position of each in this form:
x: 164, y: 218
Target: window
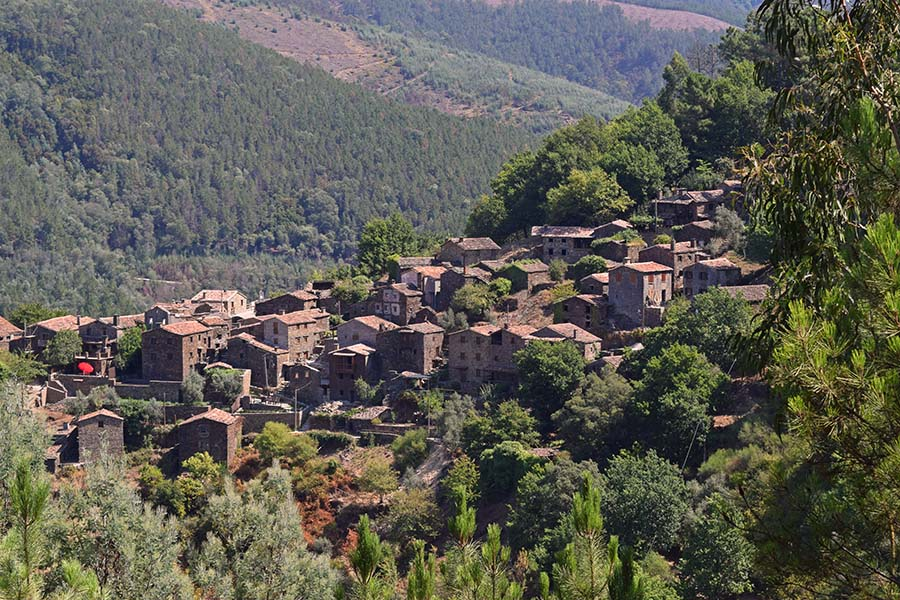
x: 100, y: 424
x: 203, y: 430
x: 704, y: 276
x: 462, y: 356
x: 477, y: 356
x: 564, y: 251
x: 665, y: 276
x: 688, y: 274
x: 618, y: 277
x: 550, y: 252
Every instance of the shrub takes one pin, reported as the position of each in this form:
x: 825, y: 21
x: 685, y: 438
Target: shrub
x: 410, y: 449
x: 558, y: 269
x: 587, y: 266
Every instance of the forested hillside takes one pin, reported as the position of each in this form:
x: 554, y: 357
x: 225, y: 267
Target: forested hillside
x: 136, y: 141
x: 733, y: 11
x: 591, y: 44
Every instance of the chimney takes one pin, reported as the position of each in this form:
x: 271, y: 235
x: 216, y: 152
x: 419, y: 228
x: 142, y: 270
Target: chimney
x: 78, y: 320
x: 115, y: 320
x: 672, y: 245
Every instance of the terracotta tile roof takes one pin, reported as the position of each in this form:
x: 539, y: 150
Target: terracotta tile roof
x: 695, y: 196
x: 614, y: 360
x: 647, y: 267
x: 434, y: 272
x: 621, y: 223
x: 404, y: 289
x: 302, y: 316
x: 249, y: 339
x: 482, y: 329
x: 532, y: 267
x: 566, y: 331
x: 7, y: 328
x: 598, y: 277
x: 493, y: 265
x: 100, y: 413
x: 595, y: 299
x: 213, y: 414
x: 372, y: 322
x: 214, y: 295
x: 214, y: 321
x: 362, y: 349
x: 481, y: 243
x: 125, y: 321
x: 562, y: 231
x: 185, y: 328
x: 718, y: 264
x: 521, y: 330
x: 705, y: 224
x: 406, y: 262
x: 750, y: 293
x: 473, y: 273
x: 302, y: 295
x: 680, y: 247
x: 67, y: 322
x: 424, y: 328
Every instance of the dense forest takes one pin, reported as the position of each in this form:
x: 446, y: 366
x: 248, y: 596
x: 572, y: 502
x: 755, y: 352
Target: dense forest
x: 174, y: 151
x: 584, y: 42
x: 733, y: 11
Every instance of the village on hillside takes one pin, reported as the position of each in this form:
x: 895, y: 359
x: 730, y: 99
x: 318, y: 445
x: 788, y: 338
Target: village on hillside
x: 224, y: 365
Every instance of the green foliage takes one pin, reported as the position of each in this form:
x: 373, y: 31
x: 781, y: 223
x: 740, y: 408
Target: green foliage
x: 587, y: 265
x: 502, y: 467
x: 587, y: 197
x: 662, y: 238
x: 713, y: 322
x: 507, y: 421
x: 452, y: 321
x: 353, y: 290
x: 410, y: 449
x: 452, y: 419
x: 128, y: 350
x: 558, y: 268
x: 585, y: 42
x: 674, y: 399
x: 30, y: 313
x: 462, y: 524
x: 733, y: 11
x: 500, y: 287
x: 20, y: 367
x: 549, y: 373
x: 422, y: 574
x: 381, y: 239
x: 645, y: 500
x: 179, y: 170
x: 592, y: 423
x: 225, y: 383
x: 276, y: 441
x: 413, y: 513
x: 255, y: 549
x: 538, y: 518
x: 378, y: 477
x: 134, y: 550
x: 192, y: 388
x: 62, y: 349
x: 140, y: 418
x: 475, y: 300
x: 461, y: 478
x: 370, y: 561
x: 717, y: 561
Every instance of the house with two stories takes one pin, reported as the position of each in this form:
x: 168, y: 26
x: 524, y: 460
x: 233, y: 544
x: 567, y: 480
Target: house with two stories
x: 485, y: 354
x: 715, y: 272
x: 635, y: 288
x: 170, y: 352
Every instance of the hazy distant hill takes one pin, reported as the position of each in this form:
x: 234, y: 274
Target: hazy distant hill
x: 137, y: 141
x: 733, y: 11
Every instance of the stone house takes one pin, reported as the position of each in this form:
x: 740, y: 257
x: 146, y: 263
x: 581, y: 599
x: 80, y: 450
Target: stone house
x: 699, y: 232
x: 687, y: 206
x: 597, y: 284
x: 297, y: 332
x: 100, y: 433
x: 485, y: 354
x: 677, y: 255
x: 526, y: 275
x: 454, y: 279
x: 716, y: 272
x: 102, y: 336
x: 464, y: 252
x: 415, y: 347
x: 612, y: 228
x: 636, y: 286
x: 264, y: 362
x: 362, y: 330
x: 170, y: 352
x: 397, y: 303
x: 564, y: 243
x: 8, y: 333
x: 220, y: 329
x: 345, y: 366
x: 38, y: 335
x: 587, y: 311
x: 214, y: 431
x: 226, y: 302
x: 426, y: 279
x: 166, y: 313
x: 619, y: 251
x: 586, y: 342
x: 287, y: 303
x: 753, y: 294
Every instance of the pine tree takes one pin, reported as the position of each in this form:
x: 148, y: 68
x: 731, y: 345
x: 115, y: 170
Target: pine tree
x: 421, y: 581
x: 371, y: 565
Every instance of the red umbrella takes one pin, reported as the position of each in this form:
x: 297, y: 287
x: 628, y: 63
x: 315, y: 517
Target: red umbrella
x: 85, y: 368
